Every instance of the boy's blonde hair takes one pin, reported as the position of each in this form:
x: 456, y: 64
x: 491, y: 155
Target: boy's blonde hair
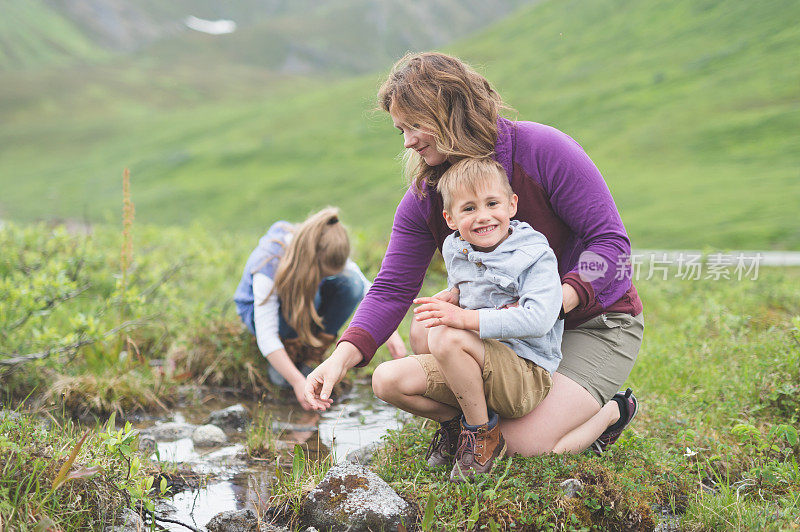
x: 319, y: 242
x: 471, y: 175
x: 441, y: 95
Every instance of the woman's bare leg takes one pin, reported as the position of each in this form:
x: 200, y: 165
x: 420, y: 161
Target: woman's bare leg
x: 580, y: 438
x: 565, y: 417
x: 418, y: 338
x: 568, y: 420
x: 402, y: 383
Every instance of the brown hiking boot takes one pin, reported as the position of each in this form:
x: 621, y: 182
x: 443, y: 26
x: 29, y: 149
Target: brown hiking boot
x: 477, y: 451
x: 442, y: 449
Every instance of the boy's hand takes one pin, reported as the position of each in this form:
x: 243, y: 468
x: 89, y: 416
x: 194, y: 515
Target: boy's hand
x: 450, y: 296
x: 433, y: 311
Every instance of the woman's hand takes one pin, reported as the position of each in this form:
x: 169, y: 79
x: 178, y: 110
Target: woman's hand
x: 396, y: 346
x: 320, y: 382
x: 433, y: 311
x: 570, y: 296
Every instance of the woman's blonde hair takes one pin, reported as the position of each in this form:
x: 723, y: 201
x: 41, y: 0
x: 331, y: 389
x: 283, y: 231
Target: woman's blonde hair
x: 320, y: 242
x: 441, y: 95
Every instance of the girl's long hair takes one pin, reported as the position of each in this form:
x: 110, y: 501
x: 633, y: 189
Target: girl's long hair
x: 318, y: 243
x: 441, y: 95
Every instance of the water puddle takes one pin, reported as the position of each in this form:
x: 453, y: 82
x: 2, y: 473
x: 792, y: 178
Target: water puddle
x: 235, y: 482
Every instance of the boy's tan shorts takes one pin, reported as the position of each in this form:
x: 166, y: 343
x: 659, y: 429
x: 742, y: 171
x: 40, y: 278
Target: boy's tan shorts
x: 513, y: 386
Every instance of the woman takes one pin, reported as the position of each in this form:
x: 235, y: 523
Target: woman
x: 297, y: 290
x: 446, y: 111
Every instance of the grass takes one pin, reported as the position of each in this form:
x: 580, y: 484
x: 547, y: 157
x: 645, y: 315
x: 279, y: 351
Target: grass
x: 65, y: 302
x: 261, y: 443
x: 99, y: 342
x: 715, y: 444
x: 33, y: 451
x: 717, y: 377
x: 689, y: 109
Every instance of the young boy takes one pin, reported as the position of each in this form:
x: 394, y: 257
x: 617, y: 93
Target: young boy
x: 494, y: 338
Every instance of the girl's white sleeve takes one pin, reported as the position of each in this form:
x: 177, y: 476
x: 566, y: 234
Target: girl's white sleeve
x: 266, y: 316
x: 353, y: 267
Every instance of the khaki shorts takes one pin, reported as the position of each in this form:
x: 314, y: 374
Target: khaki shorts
x: 599, y: 354
x: 513, y: 386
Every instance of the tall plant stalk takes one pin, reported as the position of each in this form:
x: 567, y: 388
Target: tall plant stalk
x: 126, y: 255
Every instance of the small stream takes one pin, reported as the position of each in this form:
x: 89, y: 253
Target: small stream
x: 235, y: 482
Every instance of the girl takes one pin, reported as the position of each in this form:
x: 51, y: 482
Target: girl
x: 446, y: 111
x: 297, y: 290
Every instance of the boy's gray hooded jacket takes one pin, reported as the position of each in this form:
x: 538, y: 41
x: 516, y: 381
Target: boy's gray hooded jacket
x: 523, y: 270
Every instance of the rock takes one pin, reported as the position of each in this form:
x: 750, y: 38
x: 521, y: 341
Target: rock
x: 10, y: 414
x: 170, y: 431
x: 669, y: 524
x: 147, y: 444
x: 707, y: 488
x: 572, y: 487
x: 351, y: 497
x: 278, y: 426
x: 163, y: 508
x: 232, y: 418
x: 240, y: 521
x: 364, y: 454
x: 129, y: 521
x: 208, y: 436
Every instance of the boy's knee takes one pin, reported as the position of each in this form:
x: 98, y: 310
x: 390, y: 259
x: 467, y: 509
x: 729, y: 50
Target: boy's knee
x: 444, y: 340
x: 382, y: 381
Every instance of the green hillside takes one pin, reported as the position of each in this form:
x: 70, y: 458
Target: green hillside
x: 340, y: 36
x: 301, y: 36
x: 33, y: 34
x: 691, y: 110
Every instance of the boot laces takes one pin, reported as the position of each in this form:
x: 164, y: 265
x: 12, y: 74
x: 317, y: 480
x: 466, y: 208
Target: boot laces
x: 440, y: 438
x: 466, y: 451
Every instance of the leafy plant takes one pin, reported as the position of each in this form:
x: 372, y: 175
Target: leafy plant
x: 64, y: 474
x: 124, y: 442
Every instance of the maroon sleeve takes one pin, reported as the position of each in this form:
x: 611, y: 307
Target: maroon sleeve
x: 411, y: 247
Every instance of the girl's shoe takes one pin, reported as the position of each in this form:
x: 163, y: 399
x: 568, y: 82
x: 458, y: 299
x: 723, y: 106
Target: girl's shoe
x: 628, y: 407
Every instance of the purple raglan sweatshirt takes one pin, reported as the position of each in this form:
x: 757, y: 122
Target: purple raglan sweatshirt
x: 561, y: 194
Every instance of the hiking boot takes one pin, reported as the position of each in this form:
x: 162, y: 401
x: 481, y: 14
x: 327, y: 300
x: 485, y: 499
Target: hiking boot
x: 477, y: 450
x: 628, y: 407
x: 442, y: 449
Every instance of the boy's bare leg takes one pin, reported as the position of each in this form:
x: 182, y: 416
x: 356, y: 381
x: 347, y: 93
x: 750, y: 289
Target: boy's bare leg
x: 402, y: 383
x: 460, y: 355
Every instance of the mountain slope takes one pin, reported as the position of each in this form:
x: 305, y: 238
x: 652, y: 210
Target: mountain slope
x: 693, y: 107
x: 690, y: 110
x: 31, y: 33
x: 292, y: 36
